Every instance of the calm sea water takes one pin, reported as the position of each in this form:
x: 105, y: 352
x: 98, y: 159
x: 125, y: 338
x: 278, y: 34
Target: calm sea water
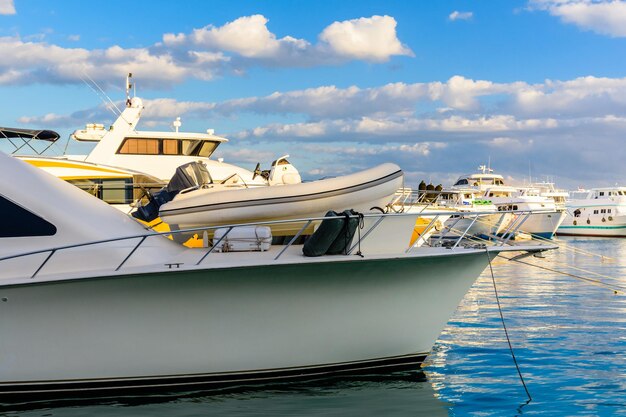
x: 569, y: 337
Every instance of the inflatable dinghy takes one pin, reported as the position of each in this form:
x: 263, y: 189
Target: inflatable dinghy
x: 360, y: 191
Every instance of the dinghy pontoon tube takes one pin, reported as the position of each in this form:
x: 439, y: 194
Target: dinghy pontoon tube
x: 374, y: 187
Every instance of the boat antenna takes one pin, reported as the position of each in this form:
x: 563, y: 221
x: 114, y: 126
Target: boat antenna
x: 129, y: 86
x: 103, y: 96
x: 176, y: 124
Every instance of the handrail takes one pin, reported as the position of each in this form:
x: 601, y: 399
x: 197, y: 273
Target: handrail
x: 215, y: 245
x: 420, y: 237
x: 379, y: 216
x: 293, y: 239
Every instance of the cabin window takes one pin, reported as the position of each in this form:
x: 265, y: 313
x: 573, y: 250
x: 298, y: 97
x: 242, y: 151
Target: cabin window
x: 462, y: 181
x: 603, y: 211
x: 207, y: 148
x: 110, y: 190
x: 140, y: 147
x: 601, y: 193
x: 596, y: 212
x: 188, y: 146
x: 170, y: 147
x: 19, y: 222
x: 608, y: 211
x: 117, y: 191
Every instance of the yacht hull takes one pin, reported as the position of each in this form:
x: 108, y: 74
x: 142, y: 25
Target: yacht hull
x: 543, y: 225
x: 615, y: 227
x: 225, y: 326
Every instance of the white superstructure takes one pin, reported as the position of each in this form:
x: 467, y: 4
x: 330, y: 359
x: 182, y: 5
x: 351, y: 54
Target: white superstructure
x: 156, y: 153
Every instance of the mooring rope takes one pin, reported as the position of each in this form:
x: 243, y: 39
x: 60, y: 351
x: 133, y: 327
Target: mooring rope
x: 615, y: 288
x: 566, y: 246
x: 495, y: 290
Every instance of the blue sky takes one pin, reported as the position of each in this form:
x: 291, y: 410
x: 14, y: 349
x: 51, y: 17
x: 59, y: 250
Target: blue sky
x: 437, y: 87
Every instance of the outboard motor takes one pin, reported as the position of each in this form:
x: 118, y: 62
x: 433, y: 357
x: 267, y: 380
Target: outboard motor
x: 189, y: 176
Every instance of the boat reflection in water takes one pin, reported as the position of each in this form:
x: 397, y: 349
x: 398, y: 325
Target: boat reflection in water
x: 396, y: 393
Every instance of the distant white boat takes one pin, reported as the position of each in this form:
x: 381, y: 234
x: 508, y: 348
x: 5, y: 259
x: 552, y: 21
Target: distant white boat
x: 545, y: 216
x: 596, y: 212
x: 468, y: 212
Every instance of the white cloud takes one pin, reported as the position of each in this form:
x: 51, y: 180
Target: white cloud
x: 73, y: 38
x: 456, y: 15
x: 202, y: 54
x: 507, y: 144
x: 7, y: 7
x: 246, y: 36
x: 370, y: 39
x: 40, y: 62
x: 459, y: 97
x: 583, y: 96
x: 606, y: 17
x: 462, y: 93
x: 582, y: 121
x: 390, y: 128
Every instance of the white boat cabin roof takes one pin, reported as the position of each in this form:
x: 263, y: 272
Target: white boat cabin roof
x: 601, y: 192
x: 479, y: 179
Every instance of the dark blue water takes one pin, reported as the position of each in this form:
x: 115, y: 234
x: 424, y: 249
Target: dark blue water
x: 569, y: 337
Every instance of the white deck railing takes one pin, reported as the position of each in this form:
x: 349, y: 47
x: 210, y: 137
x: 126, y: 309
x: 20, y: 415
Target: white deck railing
x: 452, y: 236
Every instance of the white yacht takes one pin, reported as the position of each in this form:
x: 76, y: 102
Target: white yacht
x: 596, y: 212
x: 545, y: 216
x: 158, y: 154
x: 547, y: 189
x: 491, y: 221
x: 92, y: 304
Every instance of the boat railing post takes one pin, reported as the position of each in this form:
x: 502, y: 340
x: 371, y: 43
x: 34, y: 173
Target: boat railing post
x: 293, y: 239
x: 517, y: 228
x: 52, y: 252
x: 214, y: 245
x: 131, y: 252
x: 432, y: 222
x: 500, y: 220
x: 370, y: 230
x: 465, y: 231
x: 458, y: 219
x: 511, y: 225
